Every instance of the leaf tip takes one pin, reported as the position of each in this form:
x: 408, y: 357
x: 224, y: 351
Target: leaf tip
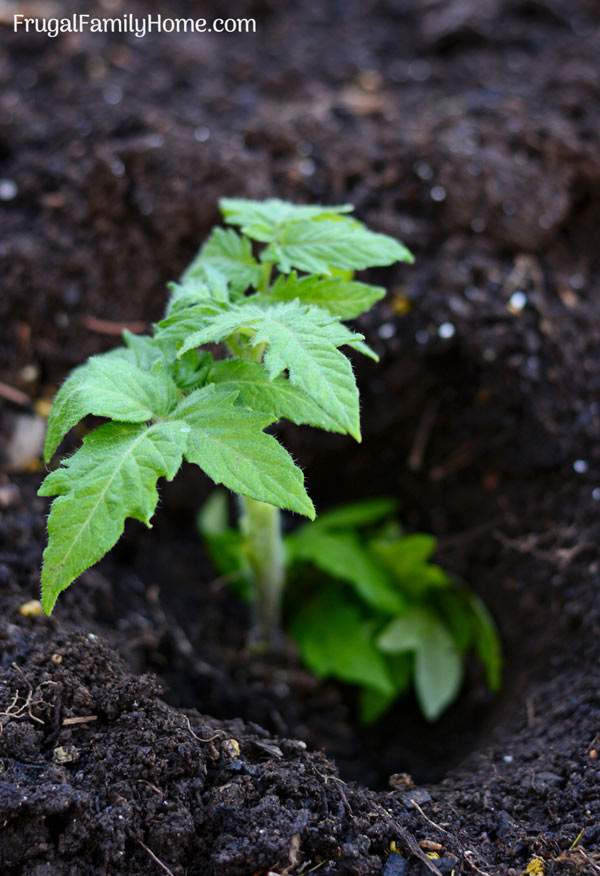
x: 48, y: 598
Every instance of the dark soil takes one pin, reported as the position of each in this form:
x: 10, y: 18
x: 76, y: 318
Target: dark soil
x: 469, y: 129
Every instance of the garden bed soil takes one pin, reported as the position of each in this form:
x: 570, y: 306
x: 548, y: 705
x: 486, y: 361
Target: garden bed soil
x: 470, y: 130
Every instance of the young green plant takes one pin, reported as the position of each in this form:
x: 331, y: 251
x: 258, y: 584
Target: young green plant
x: 271, y: 295
x: 366, y: 605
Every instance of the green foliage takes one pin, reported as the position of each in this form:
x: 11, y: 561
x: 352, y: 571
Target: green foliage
x: 345, y: 299
x: 166, y: 399
x: 369, y: 607
x: 111, y: 477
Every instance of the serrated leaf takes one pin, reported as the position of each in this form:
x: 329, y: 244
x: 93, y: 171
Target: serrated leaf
x: 111, y: 387
x: 229, y: 254
x: 342, y: 298
x: 110, y: 478
x: 191, y: 291
x: 365, y: 349
x: 145, y: 350
x: 184, y: 321
x: 302, y: 340
x: 342, y: 555
x: 228, y: 442
x: 335, y: 640
x: 260, y: 219
x: 277, y: 397
x: 318, y: 246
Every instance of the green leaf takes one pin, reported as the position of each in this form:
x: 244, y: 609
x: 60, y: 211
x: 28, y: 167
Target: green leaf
x: 181, y: 322
x: 111, y: 387
x: 342, y: 555
x: 110, y: 478
x: 438, y: 664
x: 342, y: 298
x: 407, y: 632
x: 231, y: 255
x: 487, y: 643
x: 302, y: 340
x: 227, y: 441
x: 189, y: 292
x: 438, y: 673
x: 373, y: 703
x: 318, y: 246
x: 277, y: 397
x: 357, y: 514
x: 335, y: 640
x: 455, y: 608
x: 143, y: 350
x: 260, y: 219
x: 408, y: 559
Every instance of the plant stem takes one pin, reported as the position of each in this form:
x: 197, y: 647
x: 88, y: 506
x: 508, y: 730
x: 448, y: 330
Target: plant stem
x: 261, y: 524
x: 265, y: 279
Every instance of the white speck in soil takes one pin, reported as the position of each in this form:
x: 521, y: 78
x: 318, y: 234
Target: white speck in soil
x: 117, y: 167
x: 577, y: 281
x: 507, y: 758
x: 422, y: 337
x: 113, y: 95
x: 446, y: 330
x: 8, y: 190
x: 386, y: 330
x: 580, y: 466
x: 423, y: 170
x: 307, y: 167
x: 517, y: 301
x: 438, y: 194
x: 596, y: 494
x: 202, y: 134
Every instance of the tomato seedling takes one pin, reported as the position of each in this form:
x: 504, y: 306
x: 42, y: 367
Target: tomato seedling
x: 274, y: 295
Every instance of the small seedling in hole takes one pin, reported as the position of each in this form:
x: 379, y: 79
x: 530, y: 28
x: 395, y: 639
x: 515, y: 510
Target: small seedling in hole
x: 270, y: 301
x: 366, y: 605
x: 278, y: 315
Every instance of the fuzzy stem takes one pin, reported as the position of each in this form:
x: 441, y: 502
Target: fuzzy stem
x: 261, y: 524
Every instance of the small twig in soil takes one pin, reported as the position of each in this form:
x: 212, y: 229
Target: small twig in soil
x: 428, y: 819
x: 109, y: 327
x: 410, y: 843
x: 155, y: 858
x: 455, y: 463
x: 218, y: 735
x: 466, y: 853
x: 11, y: 394
x: 82, y: 719
x: 422, y: 436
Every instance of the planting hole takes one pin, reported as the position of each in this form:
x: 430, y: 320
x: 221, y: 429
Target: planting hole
x: 197, y: 643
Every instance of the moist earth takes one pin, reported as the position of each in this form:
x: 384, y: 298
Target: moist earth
x: 138, y: 734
